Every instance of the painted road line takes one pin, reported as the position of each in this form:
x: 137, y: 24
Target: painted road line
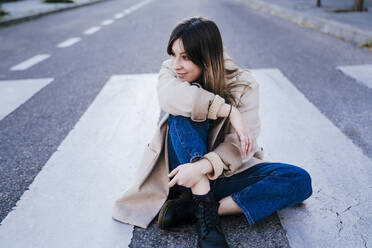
x: 107, y: 22
x: 13, y: 93
x: 339, y: 213
x: 119, y: 15
x: 30, y: 62
x: 361, y: 73
x: 136, y: 6
x: 139, y: 5
x: 70, y: 202
x: 69, y: 42
x: 92, y: 30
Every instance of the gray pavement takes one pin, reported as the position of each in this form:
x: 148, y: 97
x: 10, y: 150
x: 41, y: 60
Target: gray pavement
x: 350, y: 26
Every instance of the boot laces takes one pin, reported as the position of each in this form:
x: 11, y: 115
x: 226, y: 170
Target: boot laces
x: 209, y: 218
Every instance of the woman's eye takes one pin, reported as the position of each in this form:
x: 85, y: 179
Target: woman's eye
x: 185, y: 57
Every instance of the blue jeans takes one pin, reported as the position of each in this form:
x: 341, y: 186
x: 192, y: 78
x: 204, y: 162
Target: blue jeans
x: 258, y: 191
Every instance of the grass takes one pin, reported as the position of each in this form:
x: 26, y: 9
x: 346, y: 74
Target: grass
x: 2, y: 13
x: 344, y: 10
x: 7, y: 1
x: 367, y: 44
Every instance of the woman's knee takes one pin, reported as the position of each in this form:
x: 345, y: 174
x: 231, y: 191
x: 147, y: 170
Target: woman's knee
x: 300, y: 181
x: 178, y: 119
x: 182, y: 121
x: 182, y: 130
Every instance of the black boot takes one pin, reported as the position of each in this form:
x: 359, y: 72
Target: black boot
x: 176, y: 212
x: 210, y: 233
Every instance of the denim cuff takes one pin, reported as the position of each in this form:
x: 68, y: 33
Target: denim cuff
x: 197, y: 156
x: 235, y: 197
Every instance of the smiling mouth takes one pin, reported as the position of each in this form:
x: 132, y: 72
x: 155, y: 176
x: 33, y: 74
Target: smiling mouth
x: 181, y: 74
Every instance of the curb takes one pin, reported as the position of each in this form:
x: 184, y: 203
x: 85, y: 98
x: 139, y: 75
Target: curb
x: 7, y: 22
x: 343, y: 31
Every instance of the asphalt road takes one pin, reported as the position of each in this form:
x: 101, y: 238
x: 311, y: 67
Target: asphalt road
x: 137, y: 44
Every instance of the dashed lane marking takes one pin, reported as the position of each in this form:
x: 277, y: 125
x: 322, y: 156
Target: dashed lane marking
x: 92, y: 30
x: 119, y: 15
x: 69, y: 42
x: 107, y: 22
x: 137, y: 6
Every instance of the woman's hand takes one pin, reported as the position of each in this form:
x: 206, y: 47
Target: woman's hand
x: 185, y: 175
x: 241, y: 129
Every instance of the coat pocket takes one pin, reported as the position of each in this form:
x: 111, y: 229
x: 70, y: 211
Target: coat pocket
x: 147, y: 165
x: 148, y: 156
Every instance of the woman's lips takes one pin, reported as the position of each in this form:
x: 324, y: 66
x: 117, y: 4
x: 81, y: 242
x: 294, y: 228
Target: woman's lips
x: 180, y: 74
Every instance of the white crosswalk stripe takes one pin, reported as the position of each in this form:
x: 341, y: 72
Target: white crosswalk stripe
x: 15, y: 92
x: 30, y: 62
x: 69, y: 203
x: 339, y: 212
x: 361, y: 73
x: 97, y: 160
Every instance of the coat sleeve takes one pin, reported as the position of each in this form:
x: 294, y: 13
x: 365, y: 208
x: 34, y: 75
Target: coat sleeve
x: 227, y: 156
x: 183, y: 98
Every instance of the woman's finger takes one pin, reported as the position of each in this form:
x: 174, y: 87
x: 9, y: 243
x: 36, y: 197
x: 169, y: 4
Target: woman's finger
x: 243, y: 145
x: 173, y: 182
x: 241, y: 140
x: 173, y: 172
x: 239, y: 136
x: 249, y: 148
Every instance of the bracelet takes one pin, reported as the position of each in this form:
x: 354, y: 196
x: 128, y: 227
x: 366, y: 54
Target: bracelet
x: 229, y: 111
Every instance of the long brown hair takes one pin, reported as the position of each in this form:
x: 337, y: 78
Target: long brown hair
x: 203, y: 45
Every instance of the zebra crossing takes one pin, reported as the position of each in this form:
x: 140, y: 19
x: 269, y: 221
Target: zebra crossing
x: 70, y: 201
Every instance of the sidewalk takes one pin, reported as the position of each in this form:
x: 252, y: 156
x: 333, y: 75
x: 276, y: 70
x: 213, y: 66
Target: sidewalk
x: 355, y: 27
x: 29, y: 9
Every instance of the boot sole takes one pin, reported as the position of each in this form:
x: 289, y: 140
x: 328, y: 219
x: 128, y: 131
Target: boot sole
x: 162, y: 213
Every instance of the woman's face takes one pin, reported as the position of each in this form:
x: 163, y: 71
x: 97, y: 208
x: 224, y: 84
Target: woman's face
x: 185, y: 69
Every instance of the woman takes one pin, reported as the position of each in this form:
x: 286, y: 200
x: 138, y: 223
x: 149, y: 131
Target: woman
x: 204, y: 153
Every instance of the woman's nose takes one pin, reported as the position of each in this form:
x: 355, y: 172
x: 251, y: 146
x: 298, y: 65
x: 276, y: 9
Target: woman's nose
x: 176, y: 64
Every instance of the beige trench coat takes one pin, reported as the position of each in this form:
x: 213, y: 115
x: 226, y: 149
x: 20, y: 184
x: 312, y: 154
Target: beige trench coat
x: 144, y: 198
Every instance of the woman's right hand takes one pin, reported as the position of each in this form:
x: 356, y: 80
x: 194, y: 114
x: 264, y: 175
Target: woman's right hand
x: 242, y: 130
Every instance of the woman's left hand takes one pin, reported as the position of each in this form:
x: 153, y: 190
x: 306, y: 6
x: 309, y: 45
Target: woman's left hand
x: 242, y: 130
x: 185, y: 175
